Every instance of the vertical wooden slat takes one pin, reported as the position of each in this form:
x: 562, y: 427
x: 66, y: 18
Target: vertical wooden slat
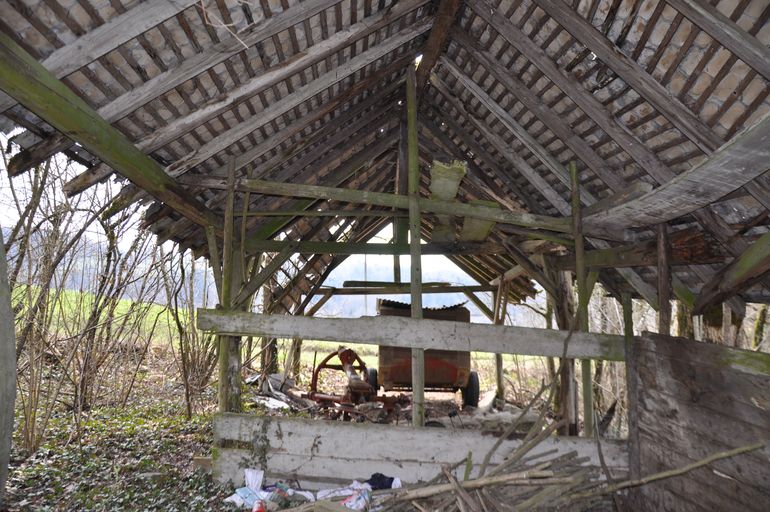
x: 418, y: 355
x: 664, y: 281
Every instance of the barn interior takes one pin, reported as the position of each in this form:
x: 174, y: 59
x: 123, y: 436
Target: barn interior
x: 543, y: 146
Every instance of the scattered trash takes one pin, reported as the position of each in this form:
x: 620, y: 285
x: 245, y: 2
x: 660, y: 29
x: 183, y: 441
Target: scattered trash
x: 356, y: 496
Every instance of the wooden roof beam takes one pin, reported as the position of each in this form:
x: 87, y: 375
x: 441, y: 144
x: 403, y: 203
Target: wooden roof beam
x: 106, y: 38
x: 350, y: 248
x: 550, y: 119
x: 278, y: 108
x: 646, y: 85
x: 744, y: 271
x: 434, y: 46
x: 745, y: 46
x: 27, y: 81
x: 176, y: 76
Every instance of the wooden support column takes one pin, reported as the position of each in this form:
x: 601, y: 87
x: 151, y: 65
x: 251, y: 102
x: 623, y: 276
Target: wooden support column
x: 501, y: 307
x: 583, y: 299
x: 229, y: 346
x: 7, y: 371
x: 664, y: 281
x: 631, y: 387
x: 400, y: 224
x: 413, y: 164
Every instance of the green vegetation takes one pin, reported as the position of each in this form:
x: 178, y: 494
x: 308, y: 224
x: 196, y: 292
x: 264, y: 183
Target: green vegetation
x: 128, y: 458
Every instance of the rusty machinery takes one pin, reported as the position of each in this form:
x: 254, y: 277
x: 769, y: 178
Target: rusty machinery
x: 360, y: 399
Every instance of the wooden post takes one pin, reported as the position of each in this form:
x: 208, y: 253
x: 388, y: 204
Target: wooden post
x: 501, y: 304
x: 664, y: 281
x: 229, y: 346
x: 583, y: 299
x: 418, y: 355
x: 631, y: 386
x: 7, y: 371
x: 401, y: 224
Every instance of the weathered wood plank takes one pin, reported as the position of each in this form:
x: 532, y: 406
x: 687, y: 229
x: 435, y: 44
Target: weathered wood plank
x: 664, y: 280
x: 736, y: 163
x: 315, y: 449
x: 747, y: 47
x: 739, y: 274
x: 37, y: 89
x: 7, y: 371
x: 427, y: 334
x: 691, y: 400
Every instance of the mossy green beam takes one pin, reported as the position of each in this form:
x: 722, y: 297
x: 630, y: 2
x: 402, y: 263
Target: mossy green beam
x: 413, y: 188
x: 396, y: 201
x: 583, y: 298
x: 741, y: 273
x: 29, y: 83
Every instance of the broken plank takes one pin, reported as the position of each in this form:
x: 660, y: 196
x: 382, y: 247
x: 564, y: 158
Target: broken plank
x: 348, y: 248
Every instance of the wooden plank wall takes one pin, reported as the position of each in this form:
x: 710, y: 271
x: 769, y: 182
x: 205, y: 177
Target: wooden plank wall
x: 692, y: 400
x: 322, y: 454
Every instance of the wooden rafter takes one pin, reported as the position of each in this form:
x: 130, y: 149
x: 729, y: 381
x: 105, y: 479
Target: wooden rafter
x: 105, y: 38
x: 27, y: 81
x: 723, y: 29
x: 740, y: 274
x: 282, y: 106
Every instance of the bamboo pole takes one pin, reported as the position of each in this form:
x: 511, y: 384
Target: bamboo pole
x: 583, y: 298
x: 413, y: 165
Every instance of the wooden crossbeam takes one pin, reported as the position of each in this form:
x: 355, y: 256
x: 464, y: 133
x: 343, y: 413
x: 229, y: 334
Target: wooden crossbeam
x: 747, y: 47
x: 687, y: 247
x: 422, y: 333
x: 392, y: 201
x: 26, y: 80
x: 404, y: 289
x: 738, y: 275
x: 349, y: 248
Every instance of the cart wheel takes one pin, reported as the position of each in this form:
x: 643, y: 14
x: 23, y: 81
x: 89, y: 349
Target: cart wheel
x: 471, y: 391
x: 371, y: 378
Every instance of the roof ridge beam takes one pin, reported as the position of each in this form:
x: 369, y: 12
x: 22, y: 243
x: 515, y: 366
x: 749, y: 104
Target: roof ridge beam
x: 446, y: 13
